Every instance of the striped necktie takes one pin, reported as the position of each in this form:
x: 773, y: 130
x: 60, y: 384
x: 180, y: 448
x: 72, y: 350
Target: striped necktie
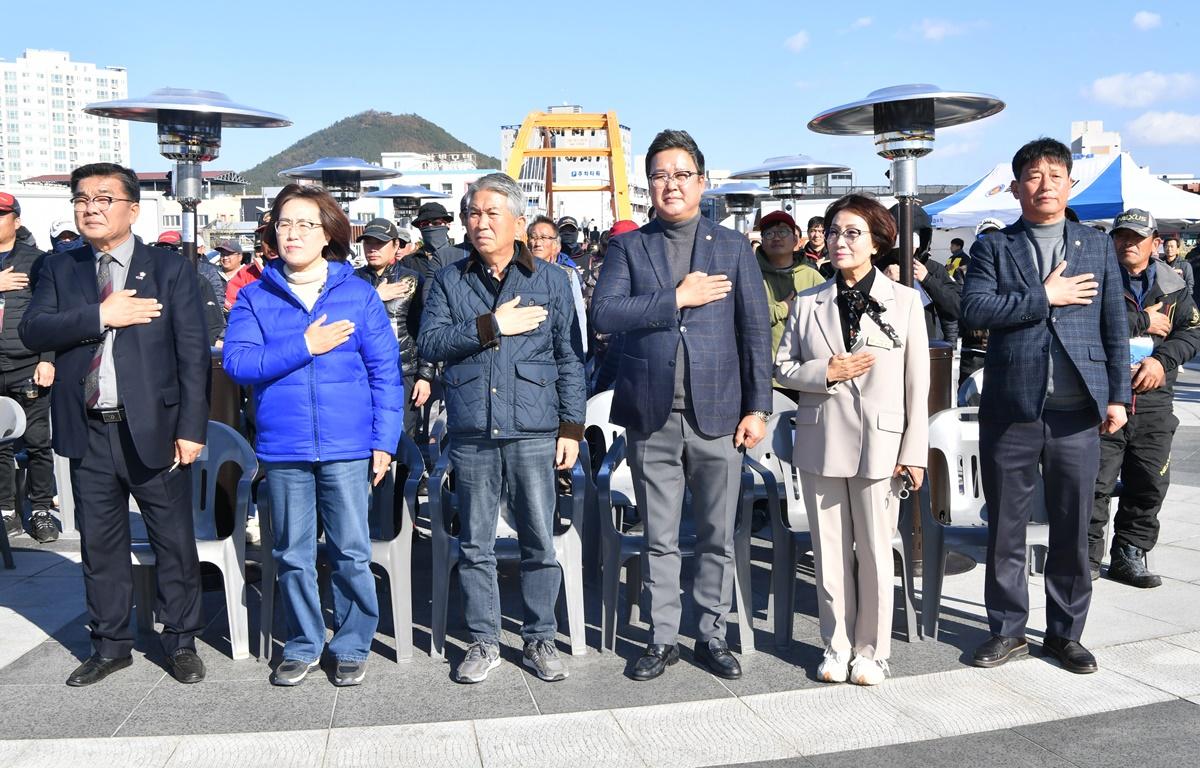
x: 104, y: 286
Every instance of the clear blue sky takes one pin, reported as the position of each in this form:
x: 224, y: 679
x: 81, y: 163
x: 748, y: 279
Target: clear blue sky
x: 744, y: 78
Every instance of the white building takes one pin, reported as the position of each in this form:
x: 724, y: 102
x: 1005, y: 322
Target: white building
x: 1088, y: 137
x: 447, y: 172
x: 43, y: 129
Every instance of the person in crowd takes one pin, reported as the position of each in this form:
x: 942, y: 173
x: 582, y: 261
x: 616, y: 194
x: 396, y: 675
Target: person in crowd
x: 544, y: 243
x: 309, y: 319
x: 400, y: 289
x: 63, y: 235
x: 568, y: 232
x: 957, y: 263
x: 230, y: 263
x: 785, y: 272
x: 503, y: 324
x: 606, y: 347
x: 688, y: 299
x: 1173, y: 258
x: 857, y: 354
x: 129, y: 409
x: 929, y: 278
x: 252, y: 271
x: 974, y: 340
x: 25, y: 376
x: 813, y: 247
x: 436, y: 251
x: 1163, y: 317
x: 212, y: 286
x: 1048, y: 291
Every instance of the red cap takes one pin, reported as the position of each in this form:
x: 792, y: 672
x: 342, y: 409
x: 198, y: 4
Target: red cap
x: 9, y: 203
x: 170, y: 237
x: 621, y: 227
x: 776, y: 217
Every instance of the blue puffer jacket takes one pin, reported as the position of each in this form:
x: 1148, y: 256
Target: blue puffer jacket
x: 332, y: 407
x: 529, y: 385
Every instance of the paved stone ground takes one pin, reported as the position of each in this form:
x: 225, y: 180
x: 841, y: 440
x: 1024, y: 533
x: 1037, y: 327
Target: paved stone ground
x: 1140, y: 708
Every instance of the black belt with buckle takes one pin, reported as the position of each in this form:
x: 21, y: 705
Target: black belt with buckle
x: 107, y: 415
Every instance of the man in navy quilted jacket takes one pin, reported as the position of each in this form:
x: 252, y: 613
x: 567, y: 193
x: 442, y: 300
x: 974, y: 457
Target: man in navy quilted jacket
x: 1056, y: 375
x: 504, y: 325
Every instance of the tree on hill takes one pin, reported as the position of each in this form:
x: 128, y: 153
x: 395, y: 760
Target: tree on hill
x: 365, y: 135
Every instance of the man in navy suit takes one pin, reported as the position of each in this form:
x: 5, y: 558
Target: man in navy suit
x: 1056, y: 375
x: 694, y: 386
x: 129, y: 408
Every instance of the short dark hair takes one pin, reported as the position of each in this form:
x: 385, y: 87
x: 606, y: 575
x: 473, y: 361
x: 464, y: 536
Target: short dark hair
x: 957, y: 241
x: 674, y: 139
x: 815, y: 221
x: 543, y: 219
x: 129, y: 179
x: 1051, y: 150
x: 880, y: 223
x: 333, y: 220
x: 1169, y: 238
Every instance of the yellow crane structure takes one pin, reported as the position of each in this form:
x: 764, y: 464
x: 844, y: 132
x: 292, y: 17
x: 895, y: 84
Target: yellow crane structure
x: 547, y: 124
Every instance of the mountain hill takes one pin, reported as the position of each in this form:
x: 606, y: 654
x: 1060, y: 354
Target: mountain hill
x: 365, y: 135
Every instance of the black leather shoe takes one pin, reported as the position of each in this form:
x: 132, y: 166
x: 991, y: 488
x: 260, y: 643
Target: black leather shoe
x: 1073, y: 656
x: 998, y: 650
x: 715, y: 655
x: 655, y: 661
x: 186, y: 666
x: 95, y: 669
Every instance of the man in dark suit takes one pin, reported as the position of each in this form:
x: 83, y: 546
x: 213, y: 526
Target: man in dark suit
x: 129, y: 409
x: 694, y: 386
x: 1056, y: 375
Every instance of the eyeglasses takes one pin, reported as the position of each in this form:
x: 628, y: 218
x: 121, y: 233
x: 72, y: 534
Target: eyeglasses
x: 542, y: 238
x: 849, y: 235
x: 102, y: 202
x: 303, y: 227
x: 681, y: 178
x: 777, y: 233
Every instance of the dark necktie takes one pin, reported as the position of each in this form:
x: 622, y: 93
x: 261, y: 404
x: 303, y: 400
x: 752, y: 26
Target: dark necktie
x: 104, y: 286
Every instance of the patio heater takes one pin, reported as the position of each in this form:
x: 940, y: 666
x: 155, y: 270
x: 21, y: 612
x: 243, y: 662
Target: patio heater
x: 741, y: 198
x: 903, y: 120
x: 406, y: 200
x: 341, y: 176
x: 788, y: 175
x: 189, y: 132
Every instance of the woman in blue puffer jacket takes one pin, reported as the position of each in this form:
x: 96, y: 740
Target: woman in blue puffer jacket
x: 315, y: 343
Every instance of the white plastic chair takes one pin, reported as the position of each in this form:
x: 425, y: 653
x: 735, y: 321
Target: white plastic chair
x: 392, y: 552
x: 772, y: 461
x: 568, y: 550
x: 12, y: 426
x: 954, y: 440
x: 596, y: 423
x: 625, y: 549
x: 970, y: 391
x: 222, y: 445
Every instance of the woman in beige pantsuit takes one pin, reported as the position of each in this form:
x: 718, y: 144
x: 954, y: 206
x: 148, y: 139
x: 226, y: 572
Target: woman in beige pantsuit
x: 856, y: 351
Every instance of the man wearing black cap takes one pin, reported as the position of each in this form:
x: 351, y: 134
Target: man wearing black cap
x: 400, y: 289
x: 1164, y: 326
x: 25, y: 376
x: 942, y: 296
x: 436, y: 251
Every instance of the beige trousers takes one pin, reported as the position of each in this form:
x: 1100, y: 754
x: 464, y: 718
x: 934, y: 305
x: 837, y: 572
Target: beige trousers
x: 848, y: 515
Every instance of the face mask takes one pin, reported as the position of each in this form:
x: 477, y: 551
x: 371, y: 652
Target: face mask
x: 436, y: 237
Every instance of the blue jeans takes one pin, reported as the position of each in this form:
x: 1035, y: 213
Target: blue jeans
x: 338, y: 490
x: 526, y: 466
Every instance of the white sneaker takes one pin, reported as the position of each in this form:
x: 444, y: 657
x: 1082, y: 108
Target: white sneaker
x: 834, y: 667
x: 253, y: 534
x: 864, y: 671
